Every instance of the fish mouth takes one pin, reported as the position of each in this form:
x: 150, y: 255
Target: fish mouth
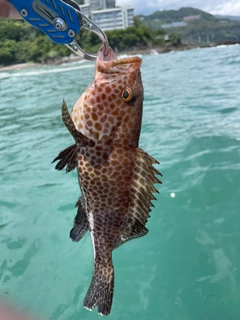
x: 110, y: 64
x: 106, y: 57
x: 110, y: 56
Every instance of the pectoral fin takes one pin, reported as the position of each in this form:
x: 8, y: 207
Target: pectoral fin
x: 68, y: 158
x: 80, y: 226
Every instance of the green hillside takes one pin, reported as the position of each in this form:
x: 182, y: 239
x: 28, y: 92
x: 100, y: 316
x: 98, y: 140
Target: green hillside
x: 22, y: 43
x: 201, y: 30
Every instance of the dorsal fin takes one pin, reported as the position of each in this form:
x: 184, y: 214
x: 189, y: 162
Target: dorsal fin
x: 143, y: 181
x: 68, y: 156
x: 142, y: 188
x: 78, y: 136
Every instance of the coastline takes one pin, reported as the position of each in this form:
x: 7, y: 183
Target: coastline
x: 71, y: 58
x: 20, y: 66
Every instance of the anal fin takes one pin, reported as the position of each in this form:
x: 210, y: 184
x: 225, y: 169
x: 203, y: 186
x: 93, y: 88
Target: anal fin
x: 133, y: 231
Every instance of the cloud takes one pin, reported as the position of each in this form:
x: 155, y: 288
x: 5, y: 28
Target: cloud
x: 230, y: 7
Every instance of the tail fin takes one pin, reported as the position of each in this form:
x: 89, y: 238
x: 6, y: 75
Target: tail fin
x: 100, y: 292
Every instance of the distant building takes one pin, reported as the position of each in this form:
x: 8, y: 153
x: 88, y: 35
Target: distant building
x: 109, y: 3
x: 174, y: 24
x: 100, y: 4
x: 105, y: 14
x: 114, y: 18
x: 192, y: 17
x: 85, y: 9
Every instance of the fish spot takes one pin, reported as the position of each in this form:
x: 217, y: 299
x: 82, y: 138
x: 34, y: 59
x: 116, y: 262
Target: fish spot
x: 126, y: 178
x: 98, y: 153
x: 118, y: 168
x: 103, y: 118
x: 130, y: 124
x: 98, y: 161
x: 118, y: 102
x: 119, y: 118
x: 96, y: 135
x: 98, y: 183
x: 119, y: 151
x: 105, y: 156
x: 89, y: 123
x: 124, y: 172
x: 115, y: 112
x: 114, y: 156
x: 93, y: 158
x: 107, y: 126
x: 94, y: 194
x: 110, y: 170
x: 106, y: 185
x: 104, y: 96
x: 111, y: 120
x: 104, y: 170
x: 105, y: 103
x: 94, y: 117
x: 98, y: 126
x: 112, y: 106
x: 108, y: 90
x: 92, y: 175
x: 114, y: 163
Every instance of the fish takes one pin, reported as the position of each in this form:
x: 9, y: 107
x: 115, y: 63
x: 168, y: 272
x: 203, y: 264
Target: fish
x: 116, y: 177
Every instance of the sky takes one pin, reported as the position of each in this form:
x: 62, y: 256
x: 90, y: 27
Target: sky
x: 223, y: 7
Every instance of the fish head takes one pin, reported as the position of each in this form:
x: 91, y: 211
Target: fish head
x: 111, y: 107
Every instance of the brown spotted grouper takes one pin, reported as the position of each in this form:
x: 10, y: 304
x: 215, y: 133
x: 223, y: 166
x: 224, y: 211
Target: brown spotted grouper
x: 115, y: 176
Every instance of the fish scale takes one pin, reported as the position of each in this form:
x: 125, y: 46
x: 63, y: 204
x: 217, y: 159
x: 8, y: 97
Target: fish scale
x: 116, y: 177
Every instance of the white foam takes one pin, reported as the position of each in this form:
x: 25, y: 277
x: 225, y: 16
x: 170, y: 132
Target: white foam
x: 46, y: 71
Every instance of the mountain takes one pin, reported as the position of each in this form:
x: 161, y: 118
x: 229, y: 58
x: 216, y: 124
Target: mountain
x: 228, y: 17
x: 194, y: 26
x: 166, y: 16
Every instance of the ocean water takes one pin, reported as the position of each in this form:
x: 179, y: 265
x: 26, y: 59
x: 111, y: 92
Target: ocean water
x: 188, y: 266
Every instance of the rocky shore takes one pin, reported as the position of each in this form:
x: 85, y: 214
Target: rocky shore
x: 72, y: 58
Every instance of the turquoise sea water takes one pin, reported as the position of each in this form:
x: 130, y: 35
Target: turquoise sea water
x: 188, y: 266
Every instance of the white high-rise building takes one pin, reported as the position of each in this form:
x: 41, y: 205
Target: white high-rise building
x: 105, y: 14
x: 114, y: 18
x: 103, y: 4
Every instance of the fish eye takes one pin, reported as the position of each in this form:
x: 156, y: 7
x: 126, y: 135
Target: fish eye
x: 127, y: 94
